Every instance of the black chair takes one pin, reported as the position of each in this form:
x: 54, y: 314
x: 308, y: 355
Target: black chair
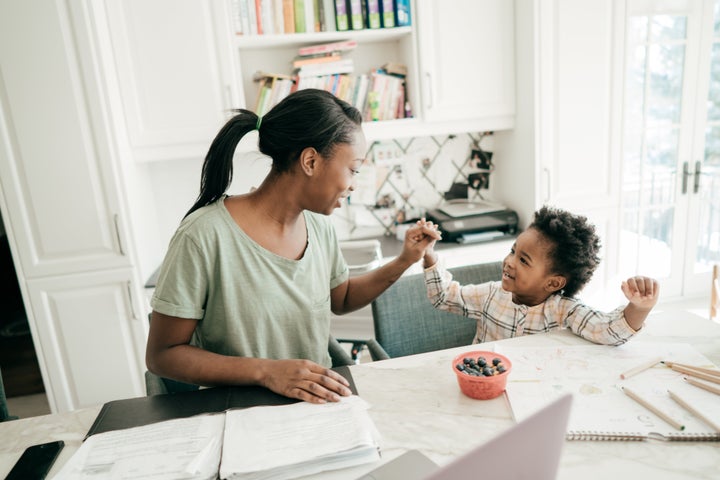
x: 4, y: 414
x: 406, y: 323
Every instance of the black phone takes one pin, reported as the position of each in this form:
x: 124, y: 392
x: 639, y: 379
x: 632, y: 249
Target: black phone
x: 35, y: 462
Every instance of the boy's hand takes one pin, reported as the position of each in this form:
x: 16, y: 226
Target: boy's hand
x: 642, y: 292
x: 418, y: 239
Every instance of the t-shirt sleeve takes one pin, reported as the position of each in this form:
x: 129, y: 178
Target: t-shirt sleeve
x: 182, y: 285
x: 339, y: 272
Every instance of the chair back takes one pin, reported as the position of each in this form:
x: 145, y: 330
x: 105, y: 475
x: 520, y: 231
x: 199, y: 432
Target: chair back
x: 406, y: 323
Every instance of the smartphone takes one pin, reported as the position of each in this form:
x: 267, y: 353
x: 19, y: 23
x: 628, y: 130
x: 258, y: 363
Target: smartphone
x: 35, y: 462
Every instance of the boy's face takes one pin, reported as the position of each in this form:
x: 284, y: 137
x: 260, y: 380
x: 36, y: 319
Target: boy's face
x: 527, y: 272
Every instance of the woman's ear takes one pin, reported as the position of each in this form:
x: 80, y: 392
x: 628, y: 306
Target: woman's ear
x: 555, y: 283
x: 309, y: 160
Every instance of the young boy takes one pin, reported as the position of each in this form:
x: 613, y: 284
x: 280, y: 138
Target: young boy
x: 547, y: 266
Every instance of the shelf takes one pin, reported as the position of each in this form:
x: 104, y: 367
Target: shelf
x: 293, y: 39
x: 414, y: 127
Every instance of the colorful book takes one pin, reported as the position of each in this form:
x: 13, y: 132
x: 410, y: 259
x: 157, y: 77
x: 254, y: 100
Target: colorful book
x: 258, y: 16
x: 342, y: 19
x: 327, y: 48
x: 387, y: 9
x: 356, y: 15
x: 373, y: 13
x: 288, y: 13
x: 252, y: 17
x: 327, y: 8
x: 331, y: 68
x: 402, y: 13
x: 307, y: 60
x: 300, y: 26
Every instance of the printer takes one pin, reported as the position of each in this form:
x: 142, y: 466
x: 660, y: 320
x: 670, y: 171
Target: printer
x: 465, y: 221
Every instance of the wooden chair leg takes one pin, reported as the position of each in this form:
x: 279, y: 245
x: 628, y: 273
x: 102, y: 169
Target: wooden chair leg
x: 715, y: 293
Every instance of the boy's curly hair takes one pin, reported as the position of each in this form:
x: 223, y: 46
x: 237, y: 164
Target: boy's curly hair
x: 574, y: 246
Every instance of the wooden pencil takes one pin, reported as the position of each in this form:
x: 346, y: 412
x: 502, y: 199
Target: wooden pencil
x: 640, y: 368
x: 693, y: 410
x: 702, y: 385
x: 653, y: 408
x: 695, y: 373
x: 708, y: 371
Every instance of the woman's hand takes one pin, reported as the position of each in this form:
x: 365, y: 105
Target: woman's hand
x: 304, y: 380
x: 419, y: 238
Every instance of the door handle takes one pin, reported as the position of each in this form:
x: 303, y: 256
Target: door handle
x: 685, y: 175
x: 698, y: 172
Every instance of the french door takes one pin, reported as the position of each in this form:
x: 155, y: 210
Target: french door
x: 670, y: 210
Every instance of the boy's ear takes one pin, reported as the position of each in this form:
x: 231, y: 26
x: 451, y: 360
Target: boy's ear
x: 555, y: 283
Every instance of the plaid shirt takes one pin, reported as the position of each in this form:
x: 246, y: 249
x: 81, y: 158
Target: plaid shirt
x: 498, y: 317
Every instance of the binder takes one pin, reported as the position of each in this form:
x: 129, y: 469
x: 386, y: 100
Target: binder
x: 135, y: 412
x: 373, y: 13
x: 402, y: 13
x: 341, y: 15
x: 356, y: 14
x: 387, y: 12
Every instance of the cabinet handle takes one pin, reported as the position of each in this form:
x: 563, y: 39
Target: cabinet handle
x: 428, y: 75
x: 116, y: 221
x: 698, y: 172
x: 685, y: 175
x: 130, y: 299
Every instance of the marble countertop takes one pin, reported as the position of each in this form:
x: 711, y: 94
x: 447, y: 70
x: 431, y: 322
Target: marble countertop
x: 416, y: 404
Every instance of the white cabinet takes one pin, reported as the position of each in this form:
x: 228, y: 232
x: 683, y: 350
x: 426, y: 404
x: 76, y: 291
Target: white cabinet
x: 175, y: 69
x: 91, y: 333
x: 564, y: 149
x: 63, y: 208
x: 467, y: 57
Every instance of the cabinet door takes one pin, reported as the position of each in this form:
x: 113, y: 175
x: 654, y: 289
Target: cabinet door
x: 90, y: 338
x: 56, y: 174
x: 174, y: 64
x: 467, y: 57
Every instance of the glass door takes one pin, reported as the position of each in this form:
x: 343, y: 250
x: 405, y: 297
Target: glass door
x: 670, y: 221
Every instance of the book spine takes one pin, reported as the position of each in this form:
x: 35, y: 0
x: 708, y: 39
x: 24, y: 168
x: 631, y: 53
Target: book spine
x: 299, y: 16
x: 277, y: 15
x: 327, y: 48
x: 373, y: 14
x: 329, y: 13
x: 342, y: 20
x: 387, y: 8
x: 288, y: 13
x: 268, y: 23
x: 252, y: 16
x: 356, y: 14
x: 402, y: 13
x: 309, y: 16
x: 258, y: 16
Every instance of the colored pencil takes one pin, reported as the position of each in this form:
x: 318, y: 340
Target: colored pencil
x: 708, y: 371
x: 702, y: 385
x: 695, y: 373
x: 640, y: 368
x: 653, y: 408
x: 693, y: 410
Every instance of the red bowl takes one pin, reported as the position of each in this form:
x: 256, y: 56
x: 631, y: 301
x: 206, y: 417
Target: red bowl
x: 482, y: 387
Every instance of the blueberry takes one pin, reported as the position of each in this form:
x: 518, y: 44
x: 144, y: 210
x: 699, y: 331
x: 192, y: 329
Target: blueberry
x: 460, y: 367
x: 487, y: 371
x: 466, y: 361
x: 496, y: 361
x: 500, y: 369
x: 482, y: 362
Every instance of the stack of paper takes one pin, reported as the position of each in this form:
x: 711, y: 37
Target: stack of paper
x: 273, y: 442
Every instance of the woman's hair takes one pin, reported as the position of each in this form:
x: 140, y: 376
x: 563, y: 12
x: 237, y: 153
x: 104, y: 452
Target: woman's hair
x: 306, y: 118
x: 574, y: 246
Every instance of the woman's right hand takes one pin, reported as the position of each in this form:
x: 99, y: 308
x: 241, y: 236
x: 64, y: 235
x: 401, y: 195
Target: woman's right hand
x: 304, y: 380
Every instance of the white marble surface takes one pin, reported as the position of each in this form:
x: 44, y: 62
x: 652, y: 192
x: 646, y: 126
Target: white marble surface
x: 416, y: 404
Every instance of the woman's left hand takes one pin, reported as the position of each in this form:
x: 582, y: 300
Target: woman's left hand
x: 418, y: 238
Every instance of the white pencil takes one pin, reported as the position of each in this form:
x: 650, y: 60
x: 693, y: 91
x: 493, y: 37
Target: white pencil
x: 641, y: 368
x: 653, y: 408
x: 693, y: 410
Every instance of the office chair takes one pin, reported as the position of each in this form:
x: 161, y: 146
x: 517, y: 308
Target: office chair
x: 156, y: 385
x: 406, y: 323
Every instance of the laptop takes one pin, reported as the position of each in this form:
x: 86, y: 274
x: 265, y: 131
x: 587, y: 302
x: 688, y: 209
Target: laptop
x: 528, y: 450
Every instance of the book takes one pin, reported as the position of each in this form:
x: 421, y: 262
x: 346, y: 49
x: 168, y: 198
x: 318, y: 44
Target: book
x: 259, y: 16
x: 601, y: 409
x: 327, y: 9
x: 288, y: 13
x: 309, y: 9
x: 331, y: 68
x: 373, y: 13
x: 402, y: 13
x: 308, y: 60
x: 260, y: 442
x: 342, y: 19
x: 252, y: 17
x: 299, y: 9
x: 387, y: 13
x: 355, y: 12
x: 327, y: 48
x: 277, y: 16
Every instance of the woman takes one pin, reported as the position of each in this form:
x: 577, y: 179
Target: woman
x: 246, y: 290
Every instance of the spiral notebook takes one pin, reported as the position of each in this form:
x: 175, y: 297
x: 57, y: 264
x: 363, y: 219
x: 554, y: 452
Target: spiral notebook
x: 601, y: 411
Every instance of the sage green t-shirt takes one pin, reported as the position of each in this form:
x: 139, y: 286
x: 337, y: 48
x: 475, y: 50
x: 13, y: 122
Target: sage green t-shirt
x: 249, y: 301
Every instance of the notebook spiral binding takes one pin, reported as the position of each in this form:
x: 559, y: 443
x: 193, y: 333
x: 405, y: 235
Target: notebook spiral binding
x: 641, y: 437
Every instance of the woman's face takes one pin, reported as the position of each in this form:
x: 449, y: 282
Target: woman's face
x: 336, y: 174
